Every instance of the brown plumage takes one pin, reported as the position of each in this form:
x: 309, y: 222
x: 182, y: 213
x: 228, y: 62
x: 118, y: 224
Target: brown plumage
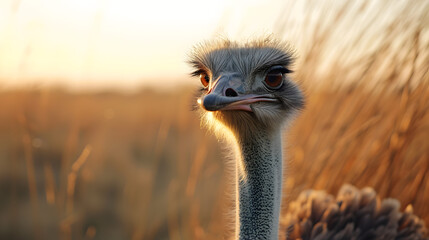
x: 353, y: 214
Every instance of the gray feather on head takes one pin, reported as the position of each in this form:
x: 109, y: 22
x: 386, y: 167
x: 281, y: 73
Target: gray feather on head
x: 222, y: 55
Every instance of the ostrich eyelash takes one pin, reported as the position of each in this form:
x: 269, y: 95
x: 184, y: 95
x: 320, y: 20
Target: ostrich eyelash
x: 196, y: 73
x: 265, y: 69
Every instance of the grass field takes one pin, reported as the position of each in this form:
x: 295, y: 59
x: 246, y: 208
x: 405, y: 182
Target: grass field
x: 75, y: 165
x: 109, y: 165
x: 112, y: 166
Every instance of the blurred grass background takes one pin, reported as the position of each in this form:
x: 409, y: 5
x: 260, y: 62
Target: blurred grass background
x: 110, y: 165
x: 107, y: 165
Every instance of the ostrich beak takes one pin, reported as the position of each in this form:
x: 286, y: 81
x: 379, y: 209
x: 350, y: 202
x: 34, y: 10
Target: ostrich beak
x: 225, y: 94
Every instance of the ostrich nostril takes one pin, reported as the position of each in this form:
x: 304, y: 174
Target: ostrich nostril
x: 230, y: 93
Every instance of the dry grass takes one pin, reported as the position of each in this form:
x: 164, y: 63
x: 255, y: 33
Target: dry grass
x: 116, y: 166
x: 367, y: 139
x: 110, y: 166
x: 106, y: 166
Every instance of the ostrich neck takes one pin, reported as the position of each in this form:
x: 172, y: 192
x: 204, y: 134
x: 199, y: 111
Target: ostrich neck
x: 259, y: 185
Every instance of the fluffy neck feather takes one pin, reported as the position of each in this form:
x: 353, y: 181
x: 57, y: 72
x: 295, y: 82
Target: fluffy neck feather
x: 259, y: 185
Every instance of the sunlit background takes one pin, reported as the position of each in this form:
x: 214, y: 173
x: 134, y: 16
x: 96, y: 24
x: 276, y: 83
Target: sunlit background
x: 97, y: 136
x: 90, y: 44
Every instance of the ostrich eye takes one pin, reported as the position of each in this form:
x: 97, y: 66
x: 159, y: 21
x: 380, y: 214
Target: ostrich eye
x: 274, y: 79
x: 205, y: 79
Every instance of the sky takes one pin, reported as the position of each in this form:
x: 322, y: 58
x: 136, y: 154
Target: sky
x: 119, y: 44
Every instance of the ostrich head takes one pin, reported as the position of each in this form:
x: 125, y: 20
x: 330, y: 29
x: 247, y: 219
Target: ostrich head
x: 246, y: 86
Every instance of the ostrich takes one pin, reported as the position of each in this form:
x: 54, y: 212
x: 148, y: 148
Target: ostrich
x: 247, y: 97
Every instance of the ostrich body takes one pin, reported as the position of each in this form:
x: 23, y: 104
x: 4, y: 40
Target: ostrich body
x: 249, y: 98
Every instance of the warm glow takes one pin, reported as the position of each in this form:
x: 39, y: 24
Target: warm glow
x: 95, y: 44
x: 92, y: 42
x: 88, y: 44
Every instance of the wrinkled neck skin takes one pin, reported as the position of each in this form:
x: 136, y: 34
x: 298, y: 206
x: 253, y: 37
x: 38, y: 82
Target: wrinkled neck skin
x: 259, y: 185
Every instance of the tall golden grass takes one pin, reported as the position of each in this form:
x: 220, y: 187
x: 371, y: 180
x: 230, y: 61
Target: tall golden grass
x: 106, y: 166
x: 137, y: 166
